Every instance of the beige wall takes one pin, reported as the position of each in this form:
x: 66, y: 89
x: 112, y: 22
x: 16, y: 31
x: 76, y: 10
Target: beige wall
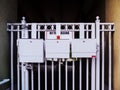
x: 113, y: 15
x: 8, y: 13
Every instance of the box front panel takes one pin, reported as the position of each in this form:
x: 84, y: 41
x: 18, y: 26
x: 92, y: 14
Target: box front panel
x: 57, y: 48
x: 30, y: 50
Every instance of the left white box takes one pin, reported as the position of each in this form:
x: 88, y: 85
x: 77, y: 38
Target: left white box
x: 30, y: 50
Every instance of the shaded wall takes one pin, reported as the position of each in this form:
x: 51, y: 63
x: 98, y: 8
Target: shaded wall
x: 113, y: 15
x: 8, y: 13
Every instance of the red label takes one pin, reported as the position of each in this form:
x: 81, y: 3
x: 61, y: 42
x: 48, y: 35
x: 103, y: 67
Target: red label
x: 58, y: 36
x: 93, y: 56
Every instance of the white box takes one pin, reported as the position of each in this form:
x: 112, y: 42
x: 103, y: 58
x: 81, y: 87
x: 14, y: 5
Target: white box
x: 84, y: 48
x: 57, y: 48
x: 30, y: 50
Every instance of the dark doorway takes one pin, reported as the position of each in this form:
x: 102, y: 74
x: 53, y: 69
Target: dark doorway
x: 61, y: 10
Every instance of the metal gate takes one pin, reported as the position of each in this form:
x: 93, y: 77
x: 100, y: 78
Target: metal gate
x: 62, y: 56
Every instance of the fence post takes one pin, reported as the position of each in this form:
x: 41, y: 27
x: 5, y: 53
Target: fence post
x: 98, y: 53
x: 24, y: 28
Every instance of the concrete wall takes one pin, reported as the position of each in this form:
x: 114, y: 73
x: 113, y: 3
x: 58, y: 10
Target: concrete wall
x: 8, y: 13
x: 113, y: 15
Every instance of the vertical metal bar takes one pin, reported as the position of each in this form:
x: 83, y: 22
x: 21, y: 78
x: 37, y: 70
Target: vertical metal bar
x: 110, y: 63
x: 71, y: 34
x: 33, y: 34
x: 93, y: 62
x: 98, y: 54
x: 39, y: 84
x: 66, y: 76
x: 46, y: 33
x: 18, y: 76
x: 18, y: 66
x: 87, y: 67
x: 26, y: 79
x: 81, y: 35
x: 38, y: 34
x: 18, y: 32
x: 58, y: 28
x: 45, y: 74
x: 39, y: 76
x: 93, y: 74
x: 81, y: 30
x: 73, y: 75
x: 87, y: 75
x: 59, y: 75
x: 32, y: 79
x: 24, y: 75
x: 80, y: 74
x: 87, y: 30
x: 12, y: 79
x: 93, y: 31
x: 103, y: 65
x: 52, y: 74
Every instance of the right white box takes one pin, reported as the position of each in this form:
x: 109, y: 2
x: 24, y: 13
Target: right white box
x: 83, y: 48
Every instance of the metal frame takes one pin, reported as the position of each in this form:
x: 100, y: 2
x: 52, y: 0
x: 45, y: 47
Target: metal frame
x: 96, y: 28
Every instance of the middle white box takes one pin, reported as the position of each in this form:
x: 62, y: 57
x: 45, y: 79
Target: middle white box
x: 57, y: 48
